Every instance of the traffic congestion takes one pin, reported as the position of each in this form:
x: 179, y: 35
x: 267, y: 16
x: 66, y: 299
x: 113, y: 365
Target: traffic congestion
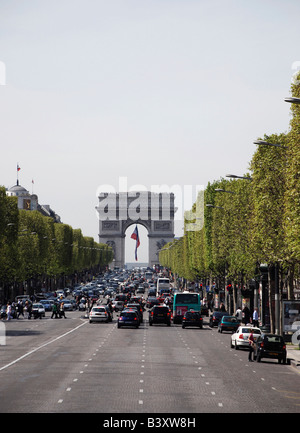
x: 129, y: 298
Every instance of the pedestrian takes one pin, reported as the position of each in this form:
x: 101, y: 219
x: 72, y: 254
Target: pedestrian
x: 246, y: 315
x: 255, y: 317
x: 54, y: 311
x: 8, y: 311
x: 251, y: 345
x: 20, y: 309
x: 239, y: 314
x: 222, y: 307
x: 62, y: 310
x: 29, y: 310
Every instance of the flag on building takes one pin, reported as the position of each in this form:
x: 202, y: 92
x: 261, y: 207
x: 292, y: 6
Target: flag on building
x: 135, y: 236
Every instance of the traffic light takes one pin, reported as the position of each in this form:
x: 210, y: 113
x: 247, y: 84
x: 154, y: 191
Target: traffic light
x: 229, y: 288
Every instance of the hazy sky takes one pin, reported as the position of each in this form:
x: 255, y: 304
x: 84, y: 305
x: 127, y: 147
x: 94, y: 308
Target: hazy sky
x: 161, y: 92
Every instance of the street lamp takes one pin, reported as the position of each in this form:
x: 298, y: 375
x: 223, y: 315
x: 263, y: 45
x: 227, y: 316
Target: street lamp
x: 224, y: 190
x: 292, y: 100
x: 265, y: 143
x: 211, y: 205
x: 234, y: 176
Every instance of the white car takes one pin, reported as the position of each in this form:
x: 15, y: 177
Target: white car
x: 38, y: 310
x: 240, y: 337
x: 68, y: 306
x: 117, y: 305
x: 98, y: 314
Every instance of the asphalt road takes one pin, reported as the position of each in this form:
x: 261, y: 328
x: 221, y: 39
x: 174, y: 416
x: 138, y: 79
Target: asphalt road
x: 71, y: 366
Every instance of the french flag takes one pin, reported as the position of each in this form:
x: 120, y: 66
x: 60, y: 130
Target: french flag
x: 135, y: 236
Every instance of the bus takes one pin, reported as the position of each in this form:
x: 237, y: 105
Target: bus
x: 184, y: 301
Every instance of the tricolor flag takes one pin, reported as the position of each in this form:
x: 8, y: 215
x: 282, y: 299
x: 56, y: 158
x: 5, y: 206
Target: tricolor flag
x: 135, y: 236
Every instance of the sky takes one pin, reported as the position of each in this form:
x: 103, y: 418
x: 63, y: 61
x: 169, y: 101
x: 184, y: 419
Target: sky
x: 157, y: 92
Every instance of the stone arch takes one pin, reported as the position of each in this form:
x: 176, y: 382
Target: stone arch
x: 154, y: 211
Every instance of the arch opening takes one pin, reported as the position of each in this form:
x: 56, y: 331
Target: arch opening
x: 130, y: 245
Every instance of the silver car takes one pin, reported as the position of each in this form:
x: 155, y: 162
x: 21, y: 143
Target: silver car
x: 117, y: 305
x: 98, y: 314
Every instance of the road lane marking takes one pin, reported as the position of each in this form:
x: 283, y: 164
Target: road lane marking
x: 40, y: 347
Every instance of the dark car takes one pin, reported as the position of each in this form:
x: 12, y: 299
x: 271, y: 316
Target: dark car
x: 151, y: 301
x: 271, y: 346
x: 216, y: 317
x: 228, y: 323
x: 151, y: 292
x: 160, y: 314
x: 192, y: 318
x: 128, y: 318
x: 138, y: 307
x: 121, y: 297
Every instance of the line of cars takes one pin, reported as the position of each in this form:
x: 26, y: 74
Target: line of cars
x: 266, y: 345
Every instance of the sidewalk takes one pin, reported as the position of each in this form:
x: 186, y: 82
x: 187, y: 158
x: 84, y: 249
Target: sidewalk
x: 293, y: 354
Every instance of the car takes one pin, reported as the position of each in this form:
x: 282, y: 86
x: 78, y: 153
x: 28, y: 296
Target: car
x: 270, y: 346
x: 73, y: 302
x: 82, y: 304
x: 98, y: 314
x: 138, y: 307
x: 151, y: 301
x: 160, y: 314
x: 136, y: 299
x: 60, y: 293
x: 121, y: 297
x: 117, y: 305
x: 128, y: 318
x: 228, y: 323
x: 68, y: 306
x: 38, y: 310
x: 216, y: 317
x: 47, y: 303
x: 240, y: 337
x: 192, y: 318
x: 151, y: 292
x: 109, y: 311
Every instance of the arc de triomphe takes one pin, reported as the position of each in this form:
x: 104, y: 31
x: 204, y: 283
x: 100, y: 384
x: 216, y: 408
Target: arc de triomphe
x: 118, y: 211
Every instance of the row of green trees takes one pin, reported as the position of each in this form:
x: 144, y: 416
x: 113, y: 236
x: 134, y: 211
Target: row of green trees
x: 36, y: 250
x: 248, y: 222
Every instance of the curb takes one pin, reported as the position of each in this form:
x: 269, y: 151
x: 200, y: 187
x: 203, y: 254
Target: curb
x: 294, y: 364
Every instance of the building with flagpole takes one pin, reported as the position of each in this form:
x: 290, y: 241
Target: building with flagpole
x: 29, y: 201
